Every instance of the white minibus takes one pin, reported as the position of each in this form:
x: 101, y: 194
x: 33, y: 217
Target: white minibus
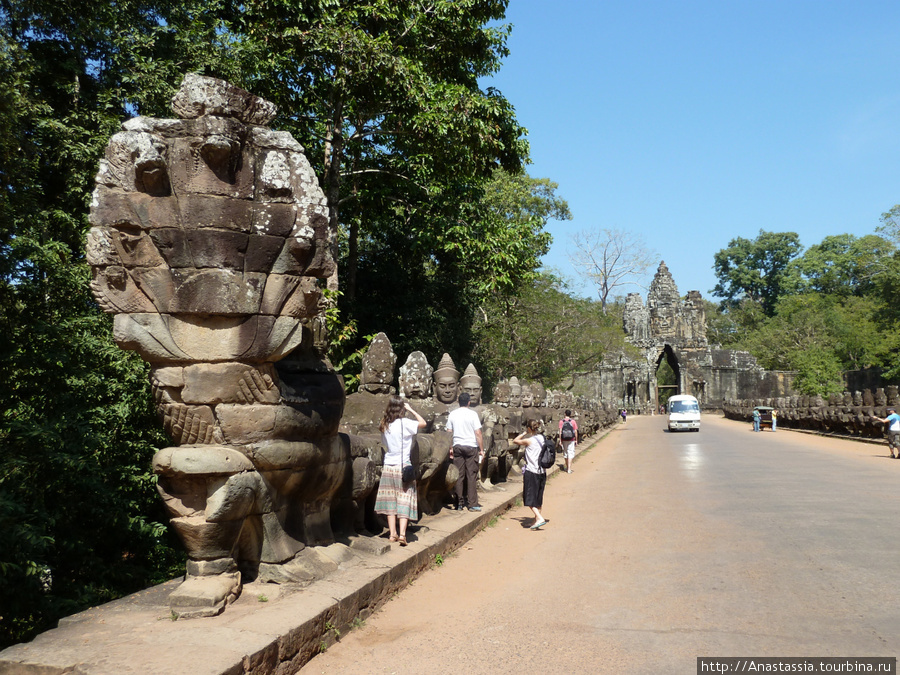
x: 684, y: 413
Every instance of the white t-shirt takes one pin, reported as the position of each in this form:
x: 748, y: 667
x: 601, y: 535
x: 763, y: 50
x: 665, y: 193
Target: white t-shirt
x: 533, y: 454
x: 464, y: 422
x: 397, y: 440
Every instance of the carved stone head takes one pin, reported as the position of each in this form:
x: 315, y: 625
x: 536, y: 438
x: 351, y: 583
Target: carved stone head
x: 470, y: 383
x: 501, y: 393
x: 446, y: 381
x: 540, y: 395
x: 515, y: 393
x: 415, y: 377
x: 527, y: 396
x: 209, y: 232
x: 892, y: 395
x: 378, y: 367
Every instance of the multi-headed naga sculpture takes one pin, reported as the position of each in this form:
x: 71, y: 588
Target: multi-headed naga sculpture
x: 208, y: 236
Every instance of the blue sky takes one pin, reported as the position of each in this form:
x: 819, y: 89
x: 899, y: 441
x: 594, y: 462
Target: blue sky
x: 693, y: 122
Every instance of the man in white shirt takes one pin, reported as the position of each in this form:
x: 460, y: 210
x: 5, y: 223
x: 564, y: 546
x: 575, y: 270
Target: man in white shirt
x: 466, y: 451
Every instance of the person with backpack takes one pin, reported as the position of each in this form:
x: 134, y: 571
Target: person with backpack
x: 568, y: 437
x: 534, y: 475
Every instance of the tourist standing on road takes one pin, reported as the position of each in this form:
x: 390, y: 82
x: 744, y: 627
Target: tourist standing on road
x: 774, y: 419
x: 534, y: 476
x: 398, y: 500
x: 623, y: 414
x: 893, y: 422
x: 466, y: 451
x: 568, y: 437
x: 756, y: 417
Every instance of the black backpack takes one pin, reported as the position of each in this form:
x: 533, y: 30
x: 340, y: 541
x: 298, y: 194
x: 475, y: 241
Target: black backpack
x: 548, y: 453
x: 567, y: 433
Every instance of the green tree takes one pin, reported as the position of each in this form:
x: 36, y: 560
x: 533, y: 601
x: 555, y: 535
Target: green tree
x: 818, y: 372
x: 426, y: 299
x: 845, y: 264
x: 890, y: 223
x: 759, y: 269
x: 385, y: 96
x: 546, y: 334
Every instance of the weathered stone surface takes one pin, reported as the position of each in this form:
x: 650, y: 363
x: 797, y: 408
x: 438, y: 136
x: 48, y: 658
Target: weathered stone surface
x: 200, y: 96
x: 365, y: 477
x: 290, y: 296
x: 205, y: 540
x: 278, y: 545
x: 213, y: 383
x: 168, y: 376
x: 209, y: 234
x: 206, y: 568
x: 206, y: 595
x: 161, y: 338
x: 235, y: 499
x: 116, y: 291
x: 378, y: 367
x: 208, y: 460
x: 415, y: 377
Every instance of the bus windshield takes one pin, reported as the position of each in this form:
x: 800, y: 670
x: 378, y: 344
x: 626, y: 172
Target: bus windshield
x: 683, y: 406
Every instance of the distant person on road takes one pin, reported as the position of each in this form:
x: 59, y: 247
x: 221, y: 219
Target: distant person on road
x: 466, y: 451
x: 534, y: 476
x: 568, y: 437
x: 398, y: 500
x: 893, y: 431
x: 623, y: 414
x: 774, y: 419
x: 756, y: 417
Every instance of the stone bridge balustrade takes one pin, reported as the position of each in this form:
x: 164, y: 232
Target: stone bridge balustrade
x: 847, y: 414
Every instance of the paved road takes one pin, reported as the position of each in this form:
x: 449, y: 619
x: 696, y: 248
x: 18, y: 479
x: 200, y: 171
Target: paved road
x: 661, y: 548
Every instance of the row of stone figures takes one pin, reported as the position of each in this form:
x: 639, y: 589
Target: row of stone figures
x: 210, y: 239
x: 433, y: 393
x: 848, y: 413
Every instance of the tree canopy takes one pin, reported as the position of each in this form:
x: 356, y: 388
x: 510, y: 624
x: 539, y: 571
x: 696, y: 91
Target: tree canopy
x: 758, y: 269
x: 829, y: 310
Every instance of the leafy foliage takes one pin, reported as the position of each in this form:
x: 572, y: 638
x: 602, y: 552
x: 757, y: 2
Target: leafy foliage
x: 758, y: 269
x: 545, y: 334
x: 845, y: 264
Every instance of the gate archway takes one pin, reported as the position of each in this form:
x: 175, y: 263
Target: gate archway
x: 668, y: 376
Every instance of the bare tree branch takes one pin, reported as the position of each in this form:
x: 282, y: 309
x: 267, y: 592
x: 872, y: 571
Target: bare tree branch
x: 611, y: 259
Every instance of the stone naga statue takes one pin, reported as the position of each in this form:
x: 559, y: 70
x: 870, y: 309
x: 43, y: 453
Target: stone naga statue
x: 209, y: 234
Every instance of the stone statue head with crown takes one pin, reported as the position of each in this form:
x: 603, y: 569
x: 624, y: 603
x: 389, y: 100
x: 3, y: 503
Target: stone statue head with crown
x: 446, y: 381
x: 470, y: 383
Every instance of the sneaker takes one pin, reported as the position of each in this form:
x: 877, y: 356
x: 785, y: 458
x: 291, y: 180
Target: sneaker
x: 460, y: 507
x: 569, y: 471
x: 474, y: 508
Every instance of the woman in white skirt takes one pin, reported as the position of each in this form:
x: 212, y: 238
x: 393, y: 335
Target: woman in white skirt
x: 398, y: 500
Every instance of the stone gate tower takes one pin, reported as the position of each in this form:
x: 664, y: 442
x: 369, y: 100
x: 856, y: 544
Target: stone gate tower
x: 674, y: 328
